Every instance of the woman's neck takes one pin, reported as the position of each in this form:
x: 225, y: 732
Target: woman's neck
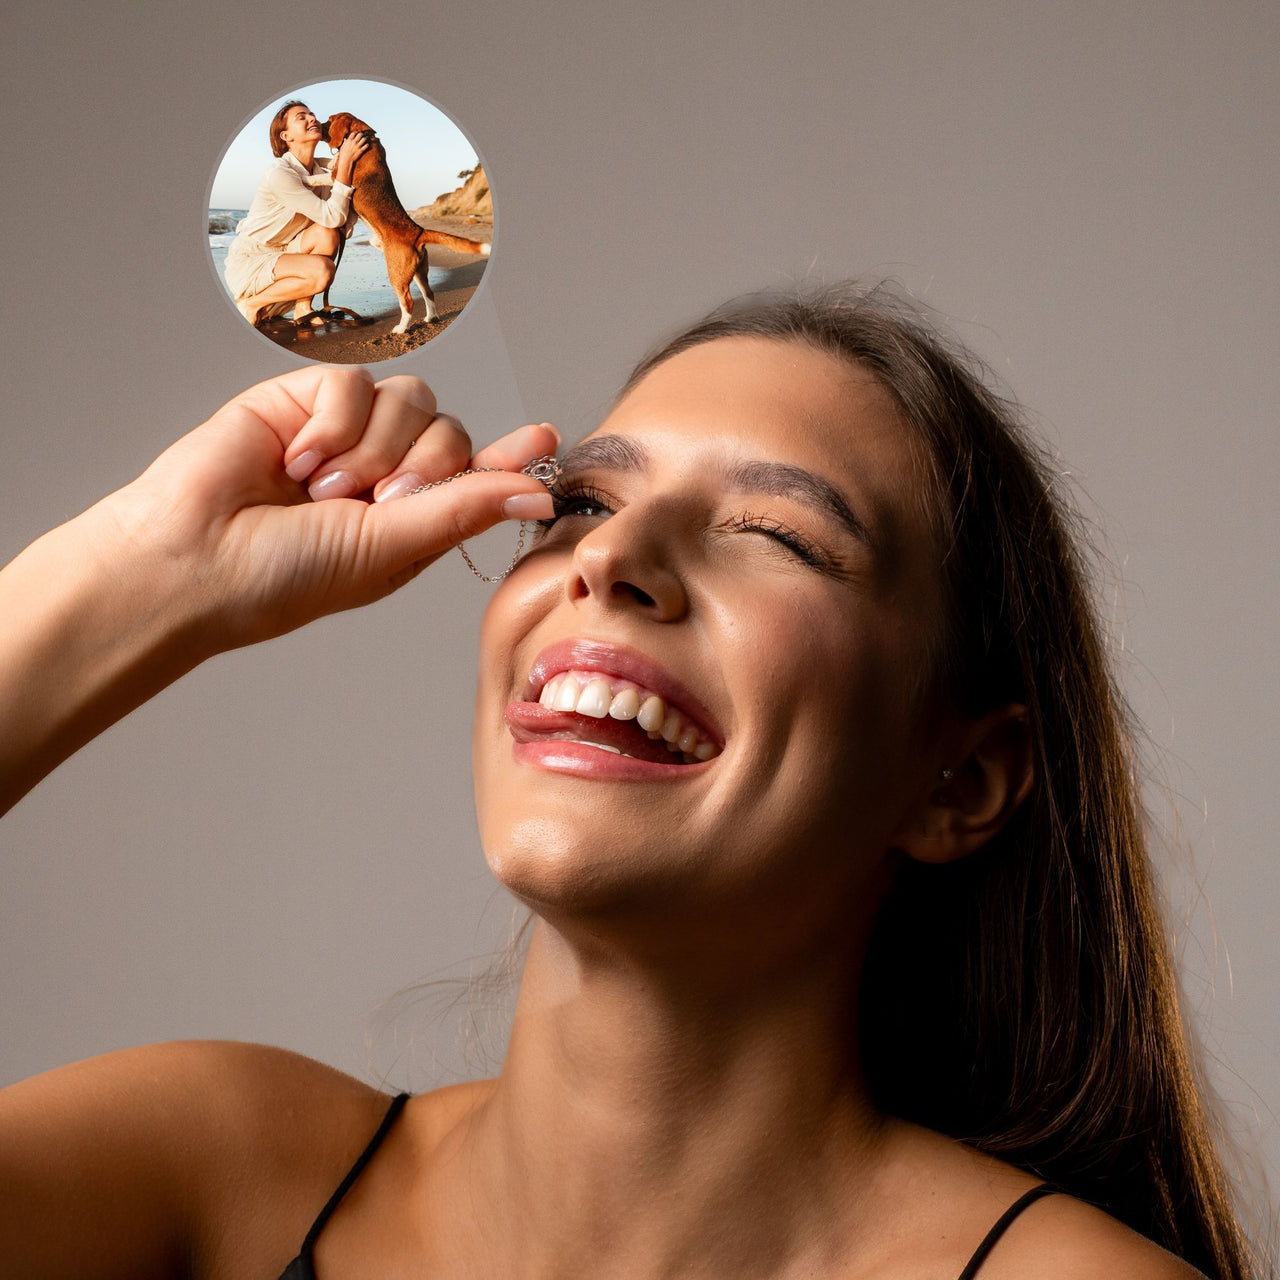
x: 304, y: 153
x: 676, y: 1117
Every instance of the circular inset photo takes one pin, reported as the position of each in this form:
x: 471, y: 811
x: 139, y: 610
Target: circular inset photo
x: 350, y: 221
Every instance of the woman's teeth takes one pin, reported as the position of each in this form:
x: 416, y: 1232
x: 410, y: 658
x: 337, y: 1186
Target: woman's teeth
x: 651, y: 713
x: 590, y: 694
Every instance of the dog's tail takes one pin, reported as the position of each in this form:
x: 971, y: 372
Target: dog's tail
x: 453, y: 242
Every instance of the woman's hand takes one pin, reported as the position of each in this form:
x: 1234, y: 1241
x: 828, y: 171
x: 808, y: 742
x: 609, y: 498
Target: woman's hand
x: 353, y: 146
x: 289, y: 503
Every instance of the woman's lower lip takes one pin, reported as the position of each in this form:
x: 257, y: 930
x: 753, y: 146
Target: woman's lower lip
x: 585, y: 761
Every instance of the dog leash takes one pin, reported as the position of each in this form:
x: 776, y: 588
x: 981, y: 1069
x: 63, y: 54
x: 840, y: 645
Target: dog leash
x: 325, y: 309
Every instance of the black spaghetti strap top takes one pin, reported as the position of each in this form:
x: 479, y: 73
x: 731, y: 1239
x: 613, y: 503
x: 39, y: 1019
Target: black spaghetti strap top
x: 303, y: 1267
x: 1002, y: 1225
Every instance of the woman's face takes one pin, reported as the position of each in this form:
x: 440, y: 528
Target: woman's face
x: 743, y: 537
x: 300, y: 126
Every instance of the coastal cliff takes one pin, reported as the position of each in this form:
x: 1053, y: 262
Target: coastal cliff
x: 472, y: 199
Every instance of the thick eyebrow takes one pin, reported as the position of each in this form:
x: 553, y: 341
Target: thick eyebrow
x: 778, y: 479
x: 610, y: 453
x: 785, y: 480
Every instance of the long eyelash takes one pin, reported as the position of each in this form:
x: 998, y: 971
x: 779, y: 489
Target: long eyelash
x: 565, y: 496
x: 784, y: 534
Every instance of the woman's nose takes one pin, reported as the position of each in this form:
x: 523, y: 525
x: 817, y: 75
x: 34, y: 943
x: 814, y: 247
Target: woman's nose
x: 626, y: 562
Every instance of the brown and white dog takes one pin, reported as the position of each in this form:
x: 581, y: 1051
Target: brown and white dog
x: 401, y: 240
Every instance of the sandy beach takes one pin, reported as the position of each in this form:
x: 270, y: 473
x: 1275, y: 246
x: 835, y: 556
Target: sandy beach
x: 372, y: 342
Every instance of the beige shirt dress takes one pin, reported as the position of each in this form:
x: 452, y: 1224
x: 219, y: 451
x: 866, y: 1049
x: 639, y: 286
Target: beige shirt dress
x: 288, y: 200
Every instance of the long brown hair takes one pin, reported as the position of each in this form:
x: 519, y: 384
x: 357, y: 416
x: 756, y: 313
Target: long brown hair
x: 1023, y: 1000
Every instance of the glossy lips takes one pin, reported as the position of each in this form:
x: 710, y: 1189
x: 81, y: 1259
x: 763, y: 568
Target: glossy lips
x: 627, y: 664
x: 594, y: 694
x: 611, y: 710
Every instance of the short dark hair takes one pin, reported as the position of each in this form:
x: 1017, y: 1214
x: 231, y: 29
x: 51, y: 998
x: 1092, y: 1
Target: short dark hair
x: 277, y: 124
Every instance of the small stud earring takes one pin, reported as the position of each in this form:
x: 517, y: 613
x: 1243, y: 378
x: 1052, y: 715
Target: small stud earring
x: 946, y: 775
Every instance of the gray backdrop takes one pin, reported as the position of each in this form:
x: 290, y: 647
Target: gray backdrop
x: 1089, y: 191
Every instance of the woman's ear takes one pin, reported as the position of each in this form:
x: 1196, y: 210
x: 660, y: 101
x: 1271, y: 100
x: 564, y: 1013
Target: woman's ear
x: 968, y: 801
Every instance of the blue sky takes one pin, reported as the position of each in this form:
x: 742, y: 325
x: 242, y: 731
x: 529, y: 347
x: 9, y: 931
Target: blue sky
x: 425, y: 149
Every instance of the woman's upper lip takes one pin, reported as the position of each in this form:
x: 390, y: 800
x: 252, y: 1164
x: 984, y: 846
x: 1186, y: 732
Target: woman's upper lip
x: 619, y: 660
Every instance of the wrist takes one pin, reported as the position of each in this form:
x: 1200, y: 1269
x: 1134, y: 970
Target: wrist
x: 141, y: 581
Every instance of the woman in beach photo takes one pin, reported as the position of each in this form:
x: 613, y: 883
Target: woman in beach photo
x: 283, y: 253
x: 796, y: 733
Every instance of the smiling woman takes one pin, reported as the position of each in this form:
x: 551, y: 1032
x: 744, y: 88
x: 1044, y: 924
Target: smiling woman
x: 283, y: 253
x: 794, y: 728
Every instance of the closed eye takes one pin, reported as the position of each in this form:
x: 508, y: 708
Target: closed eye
x: 784, y: 535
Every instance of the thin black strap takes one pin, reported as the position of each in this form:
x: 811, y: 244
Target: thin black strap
x: 397, y: 1105
x: 1002, y: 1224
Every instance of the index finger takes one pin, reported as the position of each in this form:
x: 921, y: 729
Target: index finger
x: 339, y: 414
x: 285, y: 404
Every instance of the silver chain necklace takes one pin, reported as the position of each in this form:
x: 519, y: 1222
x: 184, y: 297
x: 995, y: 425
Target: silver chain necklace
x: 546, y: 469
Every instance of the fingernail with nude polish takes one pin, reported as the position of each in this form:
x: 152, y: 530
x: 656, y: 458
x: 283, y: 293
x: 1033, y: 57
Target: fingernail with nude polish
x: 400, y: 486
x: 304, y: 464
x: 555, y: 431
x: 337, y: 484
x: 528, y: 506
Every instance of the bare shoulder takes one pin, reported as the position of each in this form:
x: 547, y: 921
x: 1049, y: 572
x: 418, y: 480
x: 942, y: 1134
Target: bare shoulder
x: 222, y: 1092
x: 1061, y: 1238
x: 956, y: 1194
x: 151, y: 1149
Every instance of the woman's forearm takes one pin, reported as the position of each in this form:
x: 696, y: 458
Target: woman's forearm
x: 298, y: 197
x: 93, y: 626
x: 218, y: 544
